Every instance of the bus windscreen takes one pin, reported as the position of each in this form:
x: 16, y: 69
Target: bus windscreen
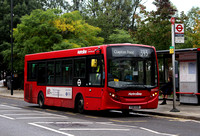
x: 131, y: 67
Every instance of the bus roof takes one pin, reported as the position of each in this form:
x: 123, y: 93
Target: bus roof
x: 91, y: 50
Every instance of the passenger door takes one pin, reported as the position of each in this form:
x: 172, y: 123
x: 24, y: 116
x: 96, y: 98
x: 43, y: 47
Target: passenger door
x: 79, y: 72
x: 95, y: 76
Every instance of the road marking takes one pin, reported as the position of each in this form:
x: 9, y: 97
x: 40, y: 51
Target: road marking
x: 9, y: 106
x: 103, y: 123
x: 36, y: 117
x: 184, y: 120
x: 12, y: 110
x: 7, y: 117
x: 142, y: 128
x: 83, y: 129
x: 178, y: 119
x: 50, y: 129
x: 126, y: 127
x: 152, y: 131
x: 20, y: 111
x: 4, y: 103
x: 86, y: 123
x: 70, y: 113
x: 24, y: 114
x: 93, y: 129
x: 43, y: 122
x: 51, y: 110
x: 91, y: 117
x: 14, y: 105
x: 121, y: 121
x: 38, y: 109
x: 194, y: 121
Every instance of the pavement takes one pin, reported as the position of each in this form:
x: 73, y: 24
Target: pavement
x: 186, y: 111
x: 7, y: 93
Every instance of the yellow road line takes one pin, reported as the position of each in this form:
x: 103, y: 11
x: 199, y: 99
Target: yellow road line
x: 51, y: 110
x: 91, y: 117
x: 70, y: 113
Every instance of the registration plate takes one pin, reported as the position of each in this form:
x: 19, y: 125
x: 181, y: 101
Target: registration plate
x: 134, y: 107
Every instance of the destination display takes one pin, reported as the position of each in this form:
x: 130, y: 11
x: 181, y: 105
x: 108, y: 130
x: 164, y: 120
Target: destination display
x: 129, y: 51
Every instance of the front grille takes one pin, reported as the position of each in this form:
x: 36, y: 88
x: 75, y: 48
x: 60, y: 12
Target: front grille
x: 133, y: 99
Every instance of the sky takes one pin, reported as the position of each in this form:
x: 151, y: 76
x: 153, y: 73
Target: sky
x: 181, y: 5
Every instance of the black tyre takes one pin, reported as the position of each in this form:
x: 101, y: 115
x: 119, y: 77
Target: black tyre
x: 125, y: 112
x: 80, y: 104
x: 41, y: 100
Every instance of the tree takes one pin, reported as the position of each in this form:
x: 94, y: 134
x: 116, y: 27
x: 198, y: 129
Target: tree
x: 78, y: 5
x: 55, y: 4
x: 155, y: 28
x: 110, y: 15
x: 120, y: 36
x: 196, y: 35
x: 49, y: 30
x: 20, y: 8
x: 135, y: 5
x: 189, y: 21
x: 4, y: 22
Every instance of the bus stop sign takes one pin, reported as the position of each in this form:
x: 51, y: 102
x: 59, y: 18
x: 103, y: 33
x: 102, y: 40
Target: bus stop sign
x: 179, y: 33
x: 179, y: 28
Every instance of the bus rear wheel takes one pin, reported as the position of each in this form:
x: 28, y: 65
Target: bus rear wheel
x: 41, y: 100
x: 80, y: 104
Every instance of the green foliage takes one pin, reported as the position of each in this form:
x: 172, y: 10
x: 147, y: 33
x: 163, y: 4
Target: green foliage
x: 155, y: 28
x: 49, y: 30
x: 121, y: 36
x: 20, y: 8
x: 76, y: 31
x: 110, y: 15
x: 53, y: 29
x: 4, y: 22
x: 190, y: 22
x: 196, y: 35
x: 55, y: 4
x: 37, y: 32
x: 77, y: 5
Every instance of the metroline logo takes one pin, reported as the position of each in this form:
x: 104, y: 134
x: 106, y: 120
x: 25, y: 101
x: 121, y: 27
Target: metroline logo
x: 136, y: 94
x: 82, y: 52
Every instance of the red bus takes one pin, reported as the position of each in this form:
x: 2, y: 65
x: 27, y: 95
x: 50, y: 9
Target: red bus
x: 113, y: 76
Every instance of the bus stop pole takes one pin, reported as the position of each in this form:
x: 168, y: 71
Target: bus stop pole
x: 11, y: 47
x: 173, y: 67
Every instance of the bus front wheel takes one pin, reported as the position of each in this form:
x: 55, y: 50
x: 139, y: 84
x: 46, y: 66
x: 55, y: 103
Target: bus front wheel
x: 125, y: 112
x: 41, y: 100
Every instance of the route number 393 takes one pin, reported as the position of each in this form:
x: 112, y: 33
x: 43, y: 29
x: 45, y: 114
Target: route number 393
x: 144, y: 53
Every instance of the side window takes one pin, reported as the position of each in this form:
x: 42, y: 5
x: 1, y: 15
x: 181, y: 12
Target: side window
x: 41, y: 73
x: 79, y: 68
x: 67, y: 72
x: 96, y: 71
x: 31, y: 71
x: 58, y: 75
x: 50, y: 73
